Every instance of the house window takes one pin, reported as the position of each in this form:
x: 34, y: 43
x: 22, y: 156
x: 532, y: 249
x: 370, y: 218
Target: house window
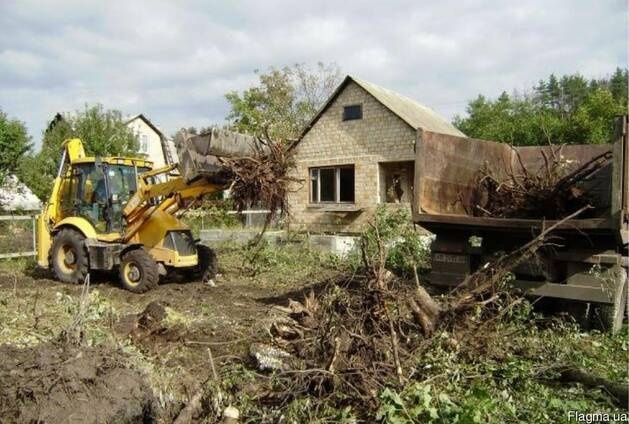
x: 144, y: 143
x: 352, y: 112
x: 332, y: 184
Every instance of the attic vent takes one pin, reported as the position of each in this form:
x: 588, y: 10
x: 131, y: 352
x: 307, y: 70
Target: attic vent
x: 352, y: 112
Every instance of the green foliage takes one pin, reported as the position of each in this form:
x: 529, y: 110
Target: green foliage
x: 568, y: 110
x: 406, y: 249
x: 283, y: 101
x: 212, y: 214
x: 14, y: 143
x: 502, y: 374
x: 284, y: 262
x: 103, y: 132
x: 420, y: 403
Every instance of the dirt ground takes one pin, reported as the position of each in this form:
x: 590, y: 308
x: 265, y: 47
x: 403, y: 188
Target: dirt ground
x: 200, y: 321
x: 67, y: 350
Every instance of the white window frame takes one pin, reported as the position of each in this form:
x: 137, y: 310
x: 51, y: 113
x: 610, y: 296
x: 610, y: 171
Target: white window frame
x: 144, y: 143
x: 314, y: 173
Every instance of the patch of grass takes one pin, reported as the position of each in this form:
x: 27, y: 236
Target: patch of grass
x: 289, y: 262
x: 21, y: 265
x: 36, y: 314
x: 510, y: 379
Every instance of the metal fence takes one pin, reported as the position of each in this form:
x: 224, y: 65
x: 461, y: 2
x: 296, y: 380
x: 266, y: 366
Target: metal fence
x: 17, y: 236
x: 207, y: 219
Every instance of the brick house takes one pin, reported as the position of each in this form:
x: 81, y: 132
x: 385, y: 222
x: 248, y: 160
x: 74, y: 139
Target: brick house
x: 357, y: 152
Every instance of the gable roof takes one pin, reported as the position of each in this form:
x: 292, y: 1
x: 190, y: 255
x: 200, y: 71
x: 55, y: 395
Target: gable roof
x: 167, y: 151
x: 147, y: 122
x: 413, y: 113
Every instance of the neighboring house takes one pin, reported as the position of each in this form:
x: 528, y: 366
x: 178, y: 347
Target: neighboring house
x: 154, y: 145
x: 16, y: 197
x: 357, y: 152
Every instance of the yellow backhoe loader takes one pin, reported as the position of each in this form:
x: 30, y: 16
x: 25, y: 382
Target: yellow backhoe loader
x: 118, y: 213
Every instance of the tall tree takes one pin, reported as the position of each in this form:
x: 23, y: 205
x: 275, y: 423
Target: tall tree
x: 566, y: 109
x: 14, y: 143
x: 283, y: 101
x: 103, y: 132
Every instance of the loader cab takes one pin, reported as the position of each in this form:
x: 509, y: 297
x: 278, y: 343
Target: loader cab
x: 98, y: 190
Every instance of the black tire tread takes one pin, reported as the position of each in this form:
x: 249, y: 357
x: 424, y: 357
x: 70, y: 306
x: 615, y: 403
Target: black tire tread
x: 148, y: 266
x: 76, y: 238
x: 207, y: 267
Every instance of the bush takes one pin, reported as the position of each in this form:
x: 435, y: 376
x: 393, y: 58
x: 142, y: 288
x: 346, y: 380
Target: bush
x: 406, y: 249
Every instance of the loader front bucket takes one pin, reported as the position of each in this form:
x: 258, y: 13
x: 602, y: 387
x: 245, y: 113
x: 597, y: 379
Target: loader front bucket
x: 198, y: 154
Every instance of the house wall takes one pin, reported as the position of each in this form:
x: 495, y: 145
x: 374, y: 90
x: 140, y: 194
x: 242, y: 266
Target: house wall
x: 381, y: 136
x: 154, y: 150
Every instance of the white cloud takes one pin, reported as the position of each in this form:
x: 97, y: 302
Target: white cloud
x: 175, y: 61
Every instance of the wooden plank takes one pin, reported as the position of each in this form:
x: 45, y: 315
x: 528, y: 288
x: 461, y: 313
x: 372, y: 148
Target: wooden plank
x: 511, y: 223
x: 616, y: 182
x: 563, y: 291
x: 416, y: 205
x: 608, y: 257
x: 622, y: 160
x: 537, y: 288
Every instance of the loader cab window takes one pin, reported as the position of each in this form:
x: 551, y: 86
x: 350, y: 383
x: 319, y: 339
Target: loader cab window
x: 99, y: 192
x: 84, y: 194
x: 122, y: 182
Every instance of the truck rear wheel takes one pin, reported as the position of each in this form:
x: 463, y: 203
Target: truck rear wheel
x: 138, y: 271
x: 68, y: 256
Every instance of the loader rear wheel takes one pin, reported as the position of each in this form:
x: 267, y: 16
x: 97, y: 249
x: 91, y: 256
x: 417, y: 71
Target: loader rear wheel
x: 69, y: 256
x: 207, y: 266
x: 138, y: 271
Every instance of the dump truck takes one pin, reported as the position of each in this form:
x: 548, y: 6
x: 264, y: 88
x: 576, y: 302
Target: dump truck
x: 587, y: 270
x: 121, y: 214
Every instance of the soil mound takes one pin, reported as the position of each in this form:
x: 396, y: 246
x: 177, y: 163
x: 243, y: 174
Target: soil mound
x: 60, y: 383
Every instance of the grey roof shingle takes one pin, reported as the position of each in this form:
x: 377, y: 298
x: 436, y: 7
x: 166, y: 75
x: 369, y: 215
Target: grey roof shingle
x: 413, y: 113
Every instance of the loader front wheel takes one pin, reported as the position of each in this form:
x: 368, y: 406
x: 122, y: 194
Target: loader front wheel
x: 138, y: 271
x: 69, y: 256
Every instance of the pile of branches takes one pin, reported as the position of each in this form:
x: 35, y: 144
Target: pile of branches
x: 552, y: 192
x: 262, y: 179
x: 358, y: 337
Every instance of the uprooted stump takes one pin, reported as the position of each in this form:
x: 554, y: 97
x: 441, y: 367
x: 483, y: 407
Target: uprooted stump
x: 363, y: 334
x: 149, y: 326
x: 59, y: 383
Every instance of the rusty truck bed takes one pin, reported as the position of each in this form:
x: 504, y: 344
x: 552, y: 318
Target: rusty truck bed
x: 445, y: 167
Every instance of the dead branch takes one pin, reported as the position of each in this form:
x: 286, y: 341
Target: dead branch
x: 487, y: 277
x: 552, y: 193
x: 571, y: 374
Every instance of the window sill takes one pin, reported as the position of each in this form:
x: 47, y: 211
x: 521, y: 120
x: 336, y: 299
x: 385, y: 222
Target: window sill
x: 334, y: 207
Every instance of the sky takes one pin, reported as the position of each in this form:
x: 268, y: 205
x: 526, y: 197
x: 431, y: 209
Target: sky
x: 175, y: 60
